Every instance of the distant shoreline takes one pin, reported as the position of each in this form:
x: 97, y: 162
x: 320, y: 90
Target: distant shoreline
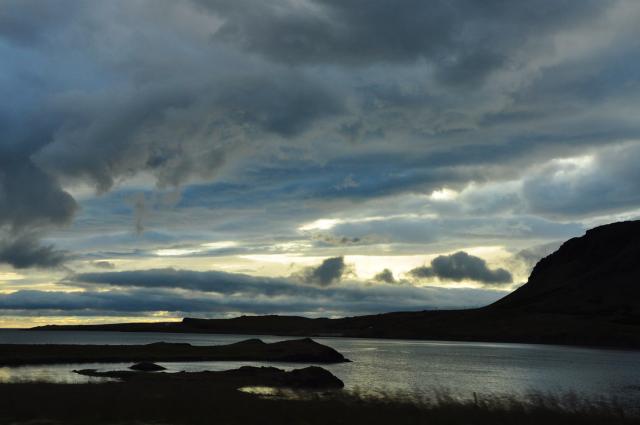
x: 299, y: 350
x: 587, y: 332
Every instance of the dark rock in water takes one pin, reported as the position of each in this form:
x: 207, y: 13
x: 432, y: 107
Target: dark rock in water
x: 303, y: 350
x: 147, y: 367
x: 308, y: 377
x: 312, y: 377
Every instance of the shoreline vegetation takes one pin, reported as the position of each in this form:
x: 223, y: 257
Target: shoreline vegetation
x: 299, y: 350
x: 210, y: 401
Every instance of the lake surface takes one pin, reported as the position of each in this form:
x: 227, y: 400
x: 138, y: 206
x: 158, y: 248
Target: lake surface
x: 418, y: 367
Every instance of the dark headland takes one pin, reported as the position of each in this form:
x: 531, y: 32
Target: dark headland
x: 585, y: 293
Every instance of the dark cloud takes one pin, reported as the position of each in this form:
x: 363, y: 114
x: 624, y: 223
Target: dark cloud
x: 210, y: 281
x: 213, y: 293
x: 90, y: 303
x: 30, y: 197
x: 328, y: 239
x: 386, y: 276
x: 462, y: 266
x: 91, y: 121
x: 28, y: 21
x: 26, y: 251
x: 178, y: 131
x: 133, y: 301
x: 31, y: 202
x: 464, y: 40
x: 330, y: 271
x: 140, y: 211
x: 240, y: 286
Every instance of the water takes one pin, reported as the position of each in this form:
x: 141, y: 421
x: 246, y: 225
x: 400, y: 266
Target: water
x: 417, y: 367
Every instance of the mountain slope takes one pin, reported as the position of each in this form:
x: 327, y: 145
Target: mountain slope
x: 596, y: 274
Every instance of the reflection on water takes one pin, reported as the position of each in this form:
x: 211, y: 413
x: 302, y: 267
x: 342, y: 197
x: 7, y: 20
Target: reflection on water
x: 273, y: 392
x: 418, y: 367
x: 263, y: 391
x: 62, y: 374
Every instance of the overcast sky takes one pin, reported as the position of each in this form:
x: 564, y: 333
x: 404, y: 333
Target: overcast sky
x: 210, y: 158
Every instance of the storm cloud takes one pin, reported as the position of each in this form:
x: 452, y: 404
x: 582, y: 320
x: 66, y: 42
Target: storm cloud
x: 96, y: 125
x: 208, y: 281
x: 462, y: 38
x: 26, y: 251
x: 114, y: 118
x: 462, y: 266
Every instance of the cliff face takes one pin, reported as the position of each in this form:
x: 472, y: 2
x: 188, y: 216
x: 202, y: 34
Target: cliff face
x: 596, y: 274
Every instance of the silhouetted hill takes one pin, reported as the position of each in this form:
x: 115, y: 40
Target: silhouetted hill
x: 596, y: 274
x: 585, y: 293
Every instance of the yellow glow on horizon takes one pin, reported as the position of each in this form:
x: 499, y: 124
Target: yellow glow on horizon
x: 177, y: 252
x: 4, y: 276
x: 22, y: 322
x: 367, y: 266
x: 220, y: 244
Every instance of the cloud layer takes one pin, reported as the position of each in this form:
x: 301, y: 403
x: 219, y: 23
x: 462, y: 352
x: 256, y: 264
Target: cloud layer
x: 268, y: 137
x: 219, y: 293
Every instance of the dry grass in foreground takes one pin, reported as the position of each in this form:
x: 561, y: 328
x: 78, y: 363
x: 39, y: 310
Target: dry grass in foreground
x: 209, y: 403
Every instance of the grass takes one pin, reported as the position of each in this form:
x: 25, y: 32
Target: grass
x: 209, y: 403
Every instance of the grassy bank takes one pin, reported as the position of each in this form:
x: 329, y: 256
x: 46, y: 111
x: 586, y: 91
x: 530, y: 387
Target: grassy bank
x: 211, y: 403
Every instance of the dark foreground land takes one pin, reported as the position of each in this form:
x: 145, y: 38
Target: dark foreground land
x: 586, y: 293
x: 300, y: 350
x: 211, y: 402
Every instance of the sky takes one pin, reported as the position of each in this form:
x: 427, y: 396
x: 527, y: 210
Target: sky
x: 209, y: 158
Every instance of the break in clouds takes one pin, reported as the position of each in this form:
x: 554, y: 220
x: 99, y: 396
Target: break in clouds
x: 326, y: 143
